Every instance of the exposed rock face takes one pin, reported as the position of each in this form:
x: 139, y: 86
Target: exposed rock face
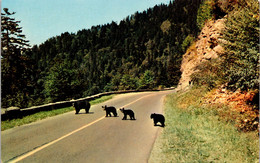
x: 207, y: 47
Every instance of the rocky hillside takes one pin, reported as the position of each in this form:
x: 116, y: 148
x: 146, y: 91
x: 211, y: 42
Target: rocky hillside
x: 224, y: 59
x: 206, y: 47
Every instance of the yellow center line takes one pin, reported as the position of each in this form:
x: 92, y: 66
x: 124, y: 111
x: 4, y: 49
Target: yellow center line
x: 81, y: 128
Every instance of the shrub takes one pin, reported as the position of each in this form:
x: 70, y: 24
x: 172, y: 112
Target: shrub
x: 187, y: 42
x: 209, y: 73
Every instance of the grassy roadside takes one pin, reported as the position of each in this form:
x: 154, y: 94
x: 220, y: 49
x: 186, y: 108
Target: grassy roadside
x: 45, y: 114
x: 197, y: 134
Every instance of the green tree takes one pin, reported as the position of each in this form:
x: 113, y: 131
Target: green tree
x: 128, y: 82
x: 205, y: 12
x: 62, y: 83
x: 116, y: 81
x: 15, y: 68
x: 147, y: 80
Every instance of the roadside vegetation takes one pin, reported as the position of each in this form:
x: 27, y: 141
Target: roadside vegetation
x: 217, y: 119
x: 45, y: 114
x: 198, y: 133
x: 233, y: 78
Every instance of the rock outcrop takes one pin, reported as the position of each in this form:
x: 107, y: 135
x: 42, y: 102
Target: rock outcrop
x: 206, y: 47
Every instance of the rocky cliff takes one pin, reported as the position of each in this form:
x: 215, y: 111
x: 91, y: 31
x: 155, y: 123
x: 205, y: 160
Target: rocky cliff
x: 241, y: 103
x: 206, y: 47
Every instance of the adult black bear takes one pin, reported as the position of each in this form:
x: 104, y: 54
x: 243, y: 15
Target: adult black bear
x: 109, y: 110
x: 158, y: 118
x: 81, y: 105
x: 128, y: 112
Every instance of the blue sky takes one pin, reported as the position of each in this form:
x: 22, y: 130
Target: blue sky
x: 42, y: 19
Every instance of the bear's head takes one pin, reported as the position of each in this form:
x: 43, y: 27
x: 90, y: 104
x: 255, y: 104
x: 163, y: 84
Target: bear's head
x: 122, y: 110
x: 104, y: 107
x: 152, y: 115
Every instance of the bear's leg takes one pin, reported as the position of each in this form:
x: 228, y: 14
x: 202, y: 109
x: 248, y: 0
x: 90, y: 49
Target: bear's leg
x: 77, y: 111
x: 162, y: 123
x: 115, y: 114
x: 87, y: 110
x: 133, y: 117
x: 155, y: 123
x: 124, y: 118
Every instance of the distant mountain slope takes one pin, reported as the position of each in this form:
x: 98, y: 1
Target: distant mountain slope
x: 142, y: 51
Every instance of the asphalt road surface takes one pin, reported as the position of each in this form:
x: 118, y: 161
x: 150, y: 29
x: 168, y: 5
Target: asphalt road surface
x: 89, y: 138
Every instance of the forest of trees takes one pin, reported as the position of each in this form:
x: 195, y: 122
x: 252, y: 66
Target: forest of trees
x: 142, y: 51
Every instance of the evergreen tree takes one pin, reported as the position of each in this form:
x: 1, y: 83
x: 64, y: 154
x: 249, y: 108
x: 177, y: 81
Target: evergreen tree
x: 15, y: 68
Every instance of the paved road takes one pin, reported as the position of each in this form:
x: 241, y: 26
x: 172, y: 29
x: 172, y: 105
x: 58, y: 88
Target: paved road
x: 88, y: 137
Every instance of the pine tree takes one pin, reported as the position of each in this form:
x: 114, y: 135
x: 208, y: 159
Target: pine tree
x: 13, y: 42
x: 14, y: 62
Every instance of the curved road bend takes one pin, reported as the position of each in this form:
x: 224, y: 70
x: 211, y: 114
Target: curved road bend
x: 88, y: 137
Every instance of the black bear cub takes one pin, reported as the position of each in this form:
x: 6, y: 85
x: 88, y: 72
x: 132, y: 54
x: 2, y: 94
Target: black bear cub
x: 110, y: 109
x: 128, y: 112
x: 81, y: 105
x: 158, y: 118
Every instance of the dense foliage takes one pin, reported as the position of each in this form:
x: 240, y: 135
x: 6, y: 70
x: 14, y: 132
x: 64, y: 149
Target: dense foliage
x: 242, y: 47
x: 142, y: 51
